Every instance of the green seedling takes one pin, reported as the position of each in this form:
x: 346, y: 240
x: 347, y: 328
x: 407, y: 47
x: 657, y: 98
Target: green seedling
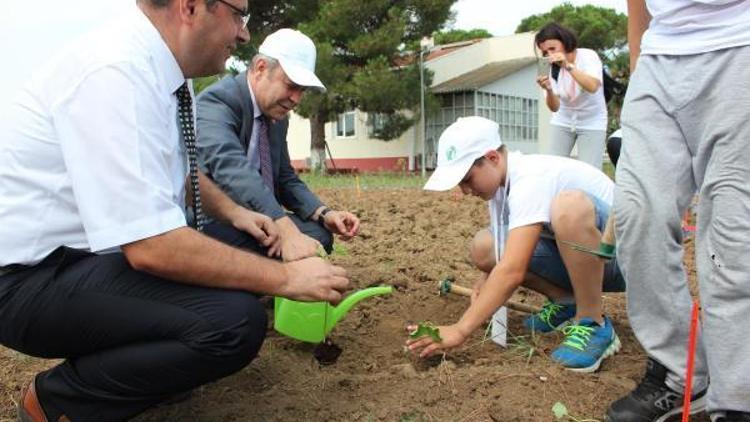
x: 339, y: 250
x: 426, y: 329
x: 561, y: 413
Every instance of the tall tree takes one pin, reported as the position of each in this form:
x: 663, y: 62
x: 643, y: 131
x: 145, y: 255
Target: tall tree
x: 452, y: 36
x: 598, y: 28
x: 360, y: 56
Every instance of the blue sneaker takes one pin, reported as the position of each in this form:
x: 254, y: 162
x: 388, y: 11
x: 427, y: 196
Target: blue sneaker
x: 551, y: 317
x: 586, y: 345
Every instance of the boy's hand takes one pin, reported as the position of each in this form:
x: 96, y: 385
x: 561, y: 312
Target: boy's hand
x: 426, y: 346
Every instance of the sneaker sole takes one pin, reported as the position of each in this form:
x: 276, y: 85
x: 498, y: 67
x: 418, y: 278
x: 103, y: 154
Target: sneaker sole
x: 613, y: 348
x: 696, y: 406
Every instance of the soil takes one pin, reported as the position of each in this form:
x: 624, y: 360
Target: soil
x: 411, y: 240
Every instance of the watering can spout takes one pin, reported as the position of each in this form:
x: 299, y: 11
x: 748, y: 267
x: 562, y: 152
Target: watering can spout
x: 348, y: 303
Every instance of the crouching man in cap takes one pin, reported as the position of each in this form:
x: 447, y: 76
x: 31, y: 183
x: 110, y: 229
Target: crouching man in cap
x: 242, y: 129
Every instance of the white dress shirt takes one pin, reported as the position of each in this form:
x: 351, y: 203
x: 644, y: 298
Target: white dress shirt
x: 90, y: 155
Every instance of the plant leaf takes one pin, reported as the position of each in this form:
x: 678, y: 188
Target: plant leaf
x: 559, y: 410
x: 426, y: 329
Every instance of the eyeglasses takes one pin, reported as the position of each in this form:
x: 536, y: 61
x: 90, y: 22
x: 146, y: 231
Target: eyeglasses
x: 243, y: 15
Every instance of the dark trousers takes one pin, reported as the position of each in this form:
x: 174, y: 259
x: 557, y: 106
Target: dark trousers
x: 130, y: 340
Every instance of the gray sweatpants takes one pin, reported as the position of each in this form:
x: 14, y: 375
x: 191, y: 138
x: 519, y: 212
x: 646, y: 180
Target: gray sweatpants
x: 590, y: 144
x: 686, y: 127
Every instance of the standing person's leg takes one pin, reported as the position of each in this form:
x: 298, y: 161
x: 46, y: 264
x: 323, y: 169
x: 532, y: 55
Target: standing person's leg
x: 716, y: 127
x: 561, y: 142
x: 314, y: 230
x: 654, y: 187
x: 591, y: 146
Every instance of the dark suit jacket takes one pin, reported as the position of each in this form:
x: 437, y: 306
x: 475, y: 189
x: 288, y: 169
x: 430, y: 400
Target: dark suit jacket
x: 224, y: 126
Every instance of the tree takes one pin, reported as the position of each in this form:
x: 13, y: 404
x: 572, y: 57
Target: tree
x: 598, y: 28
x: 360, y: 56
x: 452, y: 36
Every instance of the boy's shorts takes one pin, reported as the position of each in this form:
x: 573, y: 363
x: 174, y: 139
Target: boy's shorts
x: 548, y: 264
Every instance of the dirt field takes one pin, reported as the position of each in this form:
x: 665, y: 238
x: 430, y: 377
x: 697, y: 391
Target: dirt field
x: 410, y: 240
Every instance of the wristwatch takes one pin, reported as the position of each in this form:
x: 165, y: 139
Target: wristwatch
x: 322, y: 216
x: 569, y: 67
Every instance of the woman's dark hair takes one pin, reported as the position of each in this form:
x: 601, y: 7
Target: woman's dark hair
x: 553, y: 31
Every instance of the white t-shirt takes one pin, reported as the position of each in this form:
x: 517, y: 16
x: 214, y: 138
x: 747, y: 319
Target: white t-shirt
x: 681, y: 27
x: 579, y: 108
x: 535, y: 180
x: 90, y: 154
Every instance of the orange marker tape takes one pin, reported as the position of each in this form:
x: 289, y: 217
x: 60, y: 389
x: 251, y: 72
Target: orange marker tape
x: 690, y: 362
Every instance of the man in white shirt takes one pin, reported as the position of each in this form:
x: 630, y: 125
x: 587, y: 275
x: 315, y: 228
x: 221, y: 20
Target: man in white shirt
x: 685, y: 129
x: 97, y: 265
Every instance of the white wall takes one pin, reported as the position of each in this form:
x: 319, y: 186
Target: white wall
x: 523, y: 84
x: 358, y: 146
x: 520, y: 84
x: 298, y: 137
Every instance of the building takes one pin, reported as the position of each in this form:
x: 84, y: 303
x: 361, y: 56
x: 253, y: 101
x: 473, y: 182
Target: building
x: 493, y: 77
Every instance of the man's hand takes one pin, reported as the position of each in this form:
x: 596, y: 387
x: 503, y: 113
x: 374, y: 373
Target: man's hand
x: 296, y: 246
x: 259, y: 226
x: 314, y: 279
x: 343, y: 223
x: 452, y: 337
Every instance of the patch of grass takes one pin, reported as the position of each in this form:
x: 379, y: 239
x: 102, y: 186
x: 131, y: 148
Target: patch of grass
x: 339, y: 250
x: 367, y: 181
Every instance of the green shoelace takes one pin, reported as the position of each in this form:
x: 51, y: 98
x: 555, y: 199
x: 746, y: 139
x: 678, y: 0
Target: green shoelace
x: 577, y: 336
x: 549, y: 310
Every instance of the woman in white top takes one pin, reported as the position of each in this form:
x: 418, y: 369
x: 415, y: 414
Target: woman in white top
x: 573, y: 92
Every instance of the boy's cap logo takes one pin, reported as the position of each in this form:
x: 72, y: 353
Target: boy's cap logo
x: 450, y: 154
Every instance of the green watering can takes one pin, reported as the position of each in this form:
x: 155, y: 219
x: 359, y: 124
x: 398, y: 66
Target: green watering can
x: 312, y: 321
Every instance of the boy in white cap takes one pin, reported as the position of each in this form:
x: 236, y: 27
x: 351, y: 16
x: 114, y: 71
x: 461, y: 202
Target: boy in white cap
x: 242, y: 127
x: 542, y: 200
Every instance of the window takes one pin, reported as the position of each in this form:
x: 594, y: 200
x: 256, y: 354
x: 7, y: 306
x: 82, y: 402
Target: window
x: 517, y: 116
x: 376, y: 122
x: 345, y: 125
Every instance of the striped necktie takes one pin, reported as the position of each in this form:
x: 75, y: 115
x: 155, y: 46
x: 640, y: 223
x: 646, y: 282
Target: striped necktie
x: 185, y: 111
x: 264, y: 153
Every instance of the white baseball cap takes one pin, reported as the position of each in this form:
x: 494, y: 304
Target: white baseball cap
x: 295, y: 52
x: 459, y: 146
